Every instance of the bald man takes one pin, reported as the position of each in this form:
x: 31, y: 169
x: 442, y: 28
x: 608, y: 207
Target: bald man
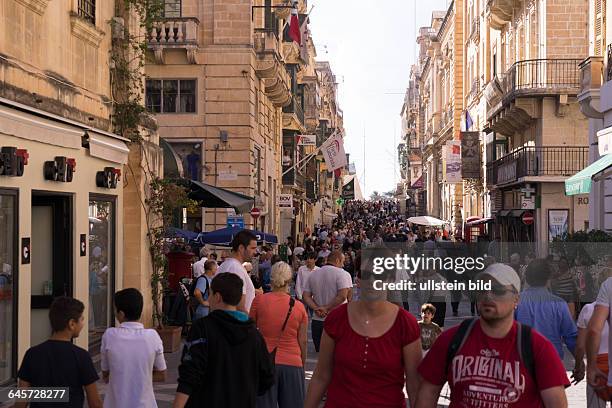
x: 327, y: 288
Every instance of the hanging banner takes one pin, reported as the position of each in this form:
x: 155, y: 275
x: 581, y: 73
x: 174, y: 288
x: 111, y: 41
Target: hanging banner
x: 348, y: 190
x: 285, y: 201
x: 333, y: 152
x: 470, y: 155
x: 453, y: 161
x: 307, y: 140
x: 416, y: 176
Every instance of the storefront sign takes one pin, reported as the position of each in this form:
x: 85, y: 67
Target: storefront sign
x: 557, y: 224
x: 604, y: 141
x: 60, y: 169
x: 453, y: 161
x: 25, y: 251
x: 348, y: 190
x: 307, y: 140
x: 108, y: 178
x: 13, y: 161
x: 83, y: 245
x: 470, y: 155
x: 228, y: 176
x: 285, y: 201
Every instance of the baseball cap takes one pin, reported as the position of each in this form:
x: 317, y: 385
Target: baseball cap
x: 503, y: 274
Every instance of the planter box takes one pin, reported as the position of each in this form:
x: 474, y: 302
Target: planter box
x: 171, y: 338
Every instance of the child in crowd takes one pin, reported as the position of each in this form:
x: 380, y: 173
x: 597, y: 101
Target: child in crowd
x: 429, y: 330
x: 59, y: 363
x: 132, y: 356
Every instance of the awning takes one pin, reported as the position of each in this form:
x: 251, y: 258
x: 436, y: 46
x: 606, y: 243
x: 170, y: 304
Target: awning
x: 216, y: 197
x: 480, y: 222
x: 107, y: 148
x: 503, y: 213
x: 580, y: 183
x: 516, y: 213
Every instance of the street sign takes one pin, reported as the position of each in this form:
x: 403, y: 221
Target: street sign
x: 255, y: 212
x: 528, y: 203
x: 235, y: 221
x: 285, y: 201
x: 340, y: 201
x: 528, y: 190
x: 527, y: 218
x: 25, y: 251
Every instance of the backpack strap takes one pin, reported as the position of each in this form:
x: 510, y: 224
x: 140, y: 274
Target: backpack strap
x: 458, y: 340
x: 525, y: 349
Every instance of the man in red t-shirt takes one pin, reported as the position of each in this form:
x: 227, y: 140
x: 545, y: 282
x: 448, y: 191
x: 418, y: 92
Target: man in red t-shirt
x: 487, y: 370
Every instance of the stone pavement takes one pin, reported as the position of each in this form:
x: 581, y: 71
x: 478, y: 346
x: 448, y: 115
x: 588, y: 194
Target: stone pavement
x: 164, y: 392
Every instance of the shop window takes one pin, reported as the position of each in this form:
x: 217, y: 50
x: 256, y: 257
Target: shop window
x: 171, y: 95
x: 190, y: 157
x: 101, y: 268
x: 8, y: 273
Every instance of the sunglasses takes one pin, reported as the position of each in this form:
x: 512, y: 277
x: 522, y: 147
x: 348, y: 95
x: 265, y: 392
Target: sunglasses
x: 496, y: 291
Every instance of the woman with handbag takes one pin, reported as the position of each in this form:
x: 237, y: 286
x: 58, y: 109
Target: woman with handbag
x: 283, y: 323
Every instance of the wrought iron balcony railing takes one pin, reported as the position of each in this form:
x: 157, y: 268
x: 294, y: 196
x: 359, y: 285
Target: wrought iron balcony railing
x: 538, y: 161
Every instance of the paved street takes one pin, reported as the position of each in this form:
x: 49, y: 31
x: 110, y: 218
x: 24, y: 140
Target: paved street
x: 165, y: 392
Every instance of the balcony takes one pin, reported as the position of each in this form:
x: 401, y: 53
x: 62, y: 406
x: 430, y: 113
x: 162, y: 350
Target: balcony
x: 293, y: 116
x: 270, y: 68
x: 501, y: 12
x: 546, y: 162
x: 174, y: 33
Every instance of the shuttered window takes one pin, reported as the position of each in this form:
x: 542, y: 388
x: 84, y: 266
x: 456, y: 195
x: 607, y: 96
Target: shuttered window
x: 600, y: 27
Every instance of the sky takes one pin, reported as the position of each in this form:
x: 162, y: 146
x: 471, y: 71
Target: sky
x: 371, y: 46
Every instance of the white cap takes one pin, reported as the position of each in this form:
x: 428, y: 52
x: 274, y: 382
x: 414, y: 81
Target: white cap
x: 503, y: 274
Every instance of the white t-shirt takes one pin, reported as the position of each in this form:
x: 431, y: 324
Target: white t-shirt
x: 232, y: 265
x: 604, y: 298
x: 303, y: 274
x: 130, y: 353
x: 583, y: 321
x: 324, y: 284
x: 198, y: 267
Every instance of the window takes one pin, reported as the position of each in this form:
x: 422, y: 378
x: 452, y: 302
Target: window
x: 101, y: 267
x: 87, y: 10
x: 171, y: 96
x: 172, y: 8
x: 8, y: 274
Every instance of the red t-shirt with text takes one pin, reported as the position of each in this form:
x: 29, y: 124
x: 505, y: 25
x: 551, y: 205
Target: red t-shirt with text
x: 488, y: 372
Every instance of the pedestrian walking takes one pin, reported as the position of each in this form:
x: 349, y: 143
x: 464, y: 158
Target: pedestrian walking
x: 593, y: 400
x: 596, y: 377
x: 429, y: 330
x: 57, y: 362
x: 225, y: 362
x: 370, y: 349
x: 244, y: 246
x: 201, y: 290
x: 484, y: 362
x: 326, y: 288
x: 283, y: 323
x: 132, y: 357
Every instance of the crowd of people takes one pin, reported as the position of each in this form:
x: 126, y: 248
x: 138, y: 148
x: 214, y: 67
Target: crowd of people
x: 251, y: 310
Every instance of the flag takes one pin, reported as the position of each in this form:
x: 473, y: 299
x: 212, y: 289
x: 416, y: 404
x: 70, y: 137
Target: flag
x: 333, y: 152
x: 468, y: 120
x: 294, y: 25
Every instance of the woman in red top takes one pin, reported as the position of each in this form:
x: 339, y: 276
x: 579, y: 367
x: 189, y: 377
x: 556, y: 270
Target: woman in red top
x: 370, y: 349
x: 269, y: 312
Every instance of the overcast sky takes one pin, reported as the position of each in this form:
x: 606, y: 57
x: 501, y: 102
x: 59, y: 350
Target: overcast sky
x: 371, y: 46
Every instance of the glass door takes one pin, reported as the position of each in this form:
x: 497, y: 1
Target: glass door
x: 8, y: 284
x: 101, y: 268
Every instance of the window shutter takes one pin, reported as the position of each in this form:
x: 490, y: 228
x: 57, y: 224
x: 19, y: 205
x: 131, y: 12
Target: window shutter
x: 600, y: 26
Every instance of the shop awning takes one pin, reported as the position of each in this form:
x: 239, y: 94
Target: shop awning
x: 516, y: 213
x: 503, y: 213
x: 480, y: 222
x: 215, y: 197
x: 111, y: 148
x: 580, y: 183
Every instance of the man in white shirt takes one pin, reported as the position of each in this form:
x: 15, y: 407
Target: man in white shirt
x: 244, y: 246
x: 304, y: 273
x: 324, y: 252
x: 326, y: 288
x: 198, y: 267
x: 132, y: 357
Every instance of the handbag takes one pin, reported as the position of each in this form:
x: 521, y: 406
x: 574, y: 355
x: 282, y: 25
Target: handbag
x: 273, y: 352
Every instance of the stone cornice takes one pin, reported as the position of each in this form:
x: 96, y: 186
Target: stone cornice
x: 37, y: 6
x: 85, y: 30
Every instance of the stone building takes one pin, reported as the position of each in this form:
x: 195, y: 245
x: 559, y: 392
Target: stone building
x: 536, y: 135
x: 62, y: 175
x: 593, y: 185
x: 440, y: 91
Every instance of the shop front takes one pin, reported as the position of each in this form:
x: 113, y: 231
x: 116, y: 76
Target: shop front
x: 61, y: 226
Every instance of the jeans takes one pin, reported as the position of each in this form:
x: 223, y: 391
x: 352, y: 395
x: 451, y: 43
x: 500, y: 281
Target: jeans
x: 288, y: 390
x: 317, y: 332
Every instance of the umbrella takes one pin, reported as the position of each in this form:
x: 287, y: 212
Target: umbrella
x: 173, y: 232
x: 427, y: 221
x: 224, y: 236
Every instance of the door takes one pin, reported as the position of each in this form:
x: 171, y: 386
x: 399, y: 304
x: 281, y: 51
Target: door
x: 51, y: 258
x: 8, y: 283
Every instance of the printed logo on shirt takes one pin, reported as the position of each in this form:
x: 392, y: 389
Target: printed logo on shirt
x: 493, y: 382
